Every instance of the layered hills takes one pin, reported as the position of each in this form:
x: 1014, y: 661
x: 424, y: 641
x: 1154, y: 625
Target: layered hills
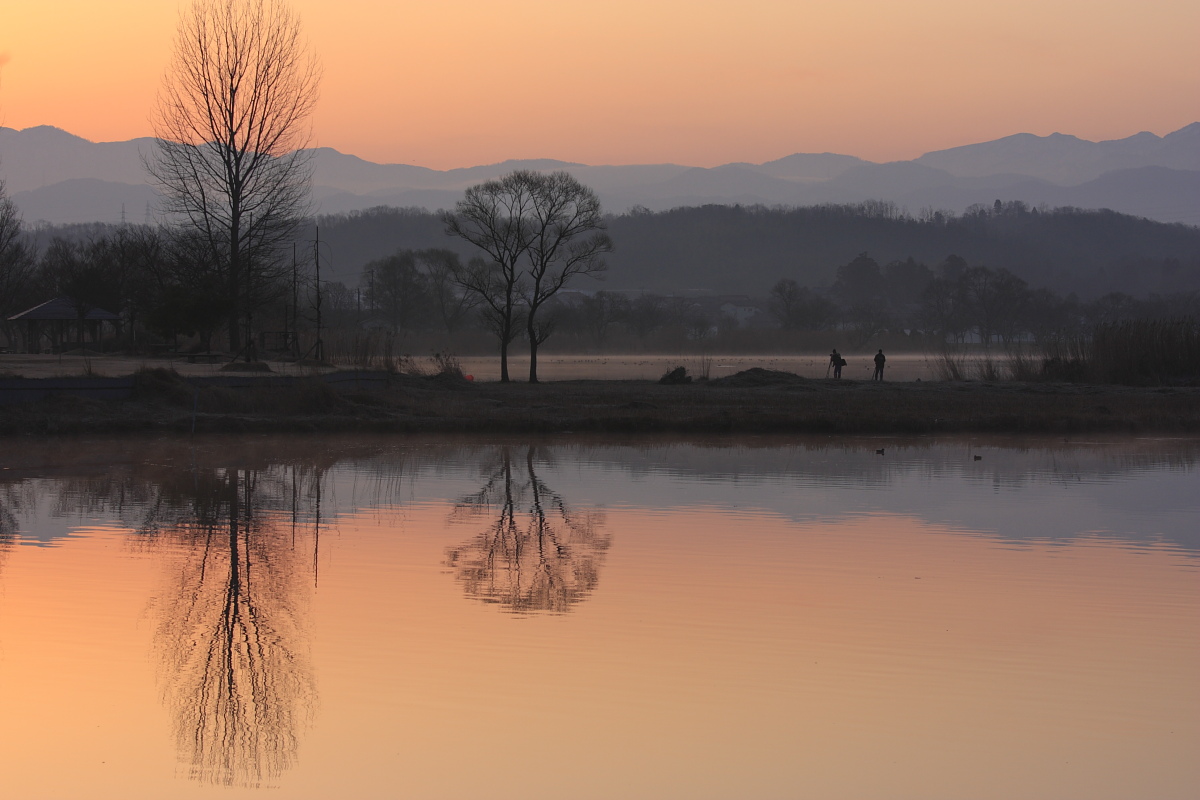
x: 57, y: 177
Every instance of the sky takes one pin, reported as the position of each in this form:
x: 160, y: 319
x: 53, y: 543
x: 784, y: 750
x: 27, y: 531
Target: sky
x: 455, y: 83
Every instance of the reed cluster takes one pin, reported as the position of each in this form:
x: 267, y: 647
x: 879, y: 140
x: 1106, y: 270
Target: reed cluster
x: 367, y: 349
x: 1145, y: 352
x: 1141, y: 352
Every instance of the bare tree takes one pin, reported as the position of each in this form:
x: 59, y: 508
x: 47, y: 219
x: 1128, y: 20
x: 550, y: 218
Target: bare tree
x: 597, y: 314
x: 16, y: 260
x: 786, y: 300
x: 494, y: 216
x: 539, y: 232
x: 232, y: 123
x: 996, y: 299
x: 566, y: 239
x: 398, y: 289
x: 452, y: 303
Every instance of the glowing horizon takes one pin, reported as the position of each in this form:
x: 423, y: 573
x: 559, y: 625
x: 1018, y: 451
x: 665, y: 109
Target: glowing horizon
x: 703, y: 83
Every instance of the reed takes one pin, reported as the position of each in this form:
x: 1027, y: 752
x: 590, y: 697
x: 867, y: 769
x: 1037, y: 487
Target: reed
x: 1145, y: 352
x: 989, y: 369
x: 372, y: 349
x: 948, y: 366
x: 1149, y: 352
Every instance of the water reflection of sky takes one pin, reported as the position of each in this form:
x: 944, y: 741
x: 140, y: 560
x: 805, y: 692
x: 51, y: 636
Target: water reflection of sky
x: 1137, y: 490
x: 1141, y: 504
x: 44, y: 516
x: 431, y: 618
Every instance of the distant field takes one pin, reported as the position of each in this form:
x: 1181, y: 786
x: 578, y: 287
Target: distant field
x: 906, y: 367
x: 900, y: 367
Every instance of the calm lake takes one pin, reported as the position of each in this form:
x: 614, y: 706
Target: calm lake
x: 597, y: 618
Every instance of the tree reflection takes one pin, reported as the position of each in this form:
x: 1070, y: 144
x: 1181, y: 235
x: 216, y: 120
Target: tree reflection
x: 537, y: 554
x: 10, y: 501
x: 236, y: 674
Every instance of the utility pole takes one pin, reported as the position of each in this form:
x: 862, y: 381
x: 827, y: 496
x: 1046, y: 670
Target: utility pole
x: 317, y: 262
x: 294, y: 337
x: 250, y: 352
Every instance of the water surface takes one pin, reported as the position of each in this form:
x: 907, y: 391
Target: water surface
x: 953, y: 618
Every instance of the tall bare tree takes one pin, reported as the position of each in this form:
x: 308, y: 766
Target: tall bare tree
x: 566, y: 239
x: 16, y: 261
x: 232, y: 122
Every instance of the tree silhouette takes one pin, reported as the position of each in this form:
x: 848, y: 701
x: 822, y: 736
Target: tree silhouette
x: 232, y: 123
x: 536, y: 554
x: 566, y: 238
x: 16, y: 261
x: 538, y: 232
x: 493, y: 217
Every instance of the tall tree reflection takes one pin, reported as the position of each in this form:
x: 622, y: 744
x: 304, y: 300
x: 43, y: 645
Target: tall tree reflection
x: 236, y: 673
x: 537, y: 553
x: 10, y: 501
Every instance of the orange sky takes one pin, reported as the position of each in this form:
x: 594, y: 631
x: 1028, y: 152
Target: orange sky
x: 447, y: 83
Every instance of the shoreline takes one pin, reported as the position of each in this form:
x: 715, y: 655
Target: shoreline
x: 755, y: 401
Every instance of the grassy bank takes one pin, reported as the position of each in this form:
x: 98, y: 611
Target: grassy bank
x: 755, y: 401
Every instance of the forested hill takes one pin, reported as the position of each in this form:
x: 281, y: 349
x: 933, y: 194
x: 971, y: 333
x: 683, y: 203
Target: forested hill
x: 745, y: 250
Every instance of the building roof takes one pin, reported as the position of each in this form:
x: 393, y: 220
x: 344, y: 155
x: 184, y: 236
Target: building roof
x: 62, y: 308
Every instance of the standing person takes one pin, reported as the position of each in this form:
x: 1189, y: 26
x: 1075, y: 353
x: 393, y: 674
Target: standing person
x: 880, y: 360
x: 837, y: 362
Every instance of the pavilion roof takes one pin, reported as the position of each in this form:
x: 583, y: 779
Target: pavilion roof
x: 62, y: 308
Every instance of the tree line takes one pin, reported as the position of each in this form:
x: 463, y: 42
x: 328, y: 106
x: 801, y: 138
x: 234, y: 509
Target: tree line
x: 745, y: 249
x: 162, y: 282
x: 955, y: 303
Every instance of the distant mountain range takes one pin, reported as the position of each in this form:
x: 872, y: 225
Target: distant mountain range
x: 57, y: 177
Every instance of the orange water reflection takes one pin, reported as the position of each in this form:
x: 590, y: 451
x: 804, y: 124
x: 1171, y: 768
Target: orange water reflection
x: 718, y: 652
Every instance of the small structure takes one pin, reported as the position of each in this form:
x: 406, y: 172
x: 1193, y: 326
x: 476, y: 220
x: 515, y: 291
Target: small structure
x: 56, y: 320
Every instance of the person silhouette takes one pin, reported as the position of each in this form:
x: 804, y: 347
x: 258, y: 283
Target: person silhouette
x: 837, y: 362
x: 880, y: 360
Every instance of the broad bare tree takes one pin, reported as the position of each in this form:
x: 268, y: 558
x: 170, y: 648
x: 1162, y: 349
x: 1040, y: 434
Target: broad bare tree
x: 495, y: 217
x: 566, y: 239
x: 232, y: 122
x: 539, y: 231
